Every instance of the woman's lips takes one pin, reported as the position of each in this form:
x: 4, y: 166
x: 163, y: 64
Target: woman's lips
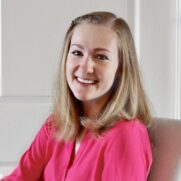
x: 86, y: 81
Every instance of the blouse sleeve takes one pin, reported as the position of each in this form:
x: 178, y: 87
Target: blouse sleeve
x: 129, y: 155
x: 32, y: 162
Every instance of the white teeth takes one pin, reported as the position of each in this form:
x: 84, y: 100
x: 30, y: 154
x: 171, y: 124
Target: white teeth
x: 85, y: 81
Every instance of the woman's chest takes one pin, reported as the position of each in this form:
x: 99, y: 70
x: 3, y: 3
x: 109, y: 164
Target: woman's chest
x: 88, y: 163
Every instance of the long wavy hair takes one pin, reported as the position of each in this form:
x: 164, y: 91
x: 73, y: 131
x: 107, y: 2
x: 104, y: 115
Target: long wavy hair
x: 127, y: 101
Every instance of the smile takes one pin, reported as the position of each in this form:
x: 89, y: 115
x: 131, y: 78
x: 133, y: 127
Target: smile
x: 86, y: 81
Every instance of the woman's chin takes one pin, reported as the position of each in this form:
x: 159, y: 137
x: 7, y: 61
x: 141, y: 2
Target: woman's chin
x: 81, y: 98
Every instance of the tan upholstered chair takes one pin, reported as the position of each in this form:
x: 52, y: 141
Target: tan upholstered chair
x: 165, y: 135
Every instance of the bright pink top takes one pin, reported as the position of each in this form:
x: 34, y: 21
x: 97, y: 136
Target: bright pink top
x: 123, y: 153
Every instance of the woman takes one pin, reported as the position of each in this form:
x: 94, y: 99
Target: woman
x: 97, y: 130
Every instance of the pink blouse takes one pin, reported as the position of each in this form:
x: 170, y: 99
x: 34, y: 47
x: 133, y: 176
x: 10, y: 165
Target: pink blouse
x: 122, y: 153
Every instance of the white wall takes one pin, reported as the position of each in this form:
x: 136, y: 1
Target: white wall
x: 32, y: 35
x: 159, y: 55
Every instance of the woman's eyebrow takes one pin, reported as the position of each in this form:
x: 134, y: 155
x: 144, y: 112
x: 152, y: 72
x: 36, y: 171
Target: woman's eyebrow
x: 102, y: 49
x: 77, y: 45
x: 96, y: 49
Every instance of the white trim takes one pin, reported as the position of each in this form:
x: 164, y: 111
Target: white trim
x: 26, y: 99
x: 0, y: 49
x: 177, y: 109
x: 8, y: 163
x: 137, y: 27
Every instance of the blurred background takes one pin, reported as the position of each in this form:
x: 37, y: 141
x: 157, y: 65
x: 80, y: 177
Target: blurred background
x: 32, y: 37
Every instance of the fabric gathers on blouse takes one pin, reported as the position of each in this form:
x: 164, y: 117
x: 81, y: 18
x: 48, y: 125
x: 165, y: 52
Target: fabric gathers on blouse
x: 122, y: 153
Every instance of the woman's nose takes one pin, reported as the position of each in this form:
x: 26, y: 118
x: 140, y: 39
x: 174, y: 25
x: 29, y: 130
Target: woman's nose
x: 87, y: 65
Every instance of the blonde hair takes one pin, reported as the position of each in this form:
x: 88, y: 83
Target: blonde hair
x: 128, y: 100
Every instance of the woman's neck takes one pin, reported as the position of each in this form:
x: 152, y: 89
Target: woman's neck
x: 92, y: 108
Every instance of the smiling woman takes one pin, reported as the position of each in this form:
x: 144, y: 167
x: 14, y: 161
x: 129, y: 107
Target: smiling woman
x: 91, y: 65
x: 97, y: 130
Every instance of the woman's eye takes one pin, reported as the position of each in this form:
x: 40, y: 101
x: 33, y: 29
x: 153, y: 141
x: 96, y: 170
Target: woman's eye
x: 101, y: 57
x: 77, y: 53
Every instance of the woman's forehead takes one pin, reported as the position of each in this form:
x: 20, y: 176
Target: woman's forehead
x: 97, y: 36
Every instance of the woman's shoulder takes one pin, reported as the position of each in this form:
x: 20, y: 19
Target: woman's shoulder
x: 128, y: 129
x: 49, y: 126
x: 129, y: 133
x: 128, y: 146
x: 123, y: 125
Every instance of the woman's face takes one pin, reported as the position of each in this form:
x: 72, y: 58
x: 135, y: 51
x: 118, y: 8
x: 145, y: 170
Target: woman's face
x: 92, y: 62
